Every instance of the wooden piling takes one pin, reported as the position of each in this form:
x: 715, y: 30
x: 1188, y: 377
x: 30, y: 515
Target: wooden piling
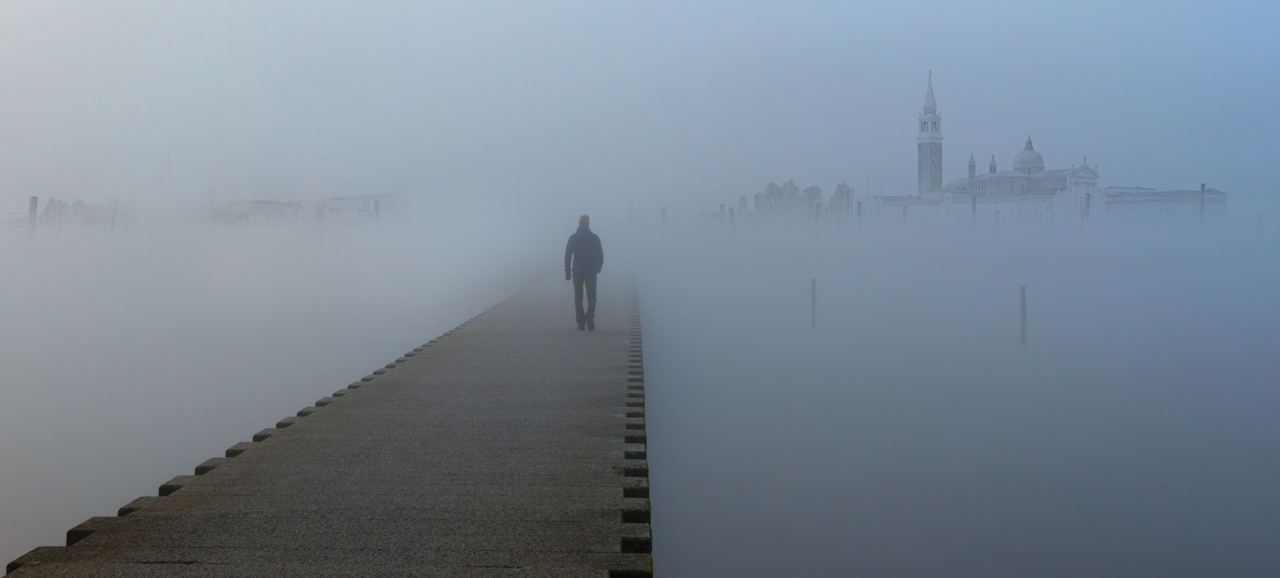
x: 1024, y: 314
x: 813, y: 304
x: 1201, y: 204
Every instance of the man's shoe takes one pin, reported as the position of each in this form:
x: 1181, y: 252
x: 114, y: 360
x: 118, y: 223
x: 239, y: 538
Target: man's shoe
x: 581, y: 325
x: 591, y: 325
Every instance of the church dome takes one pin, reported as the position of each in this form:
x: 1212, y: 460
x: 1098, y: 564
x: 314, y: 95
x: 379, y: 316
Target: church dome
x: 1028, y: 161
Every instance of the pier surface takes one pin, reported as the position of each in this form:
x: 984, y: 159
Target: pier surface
x: 510, y: 446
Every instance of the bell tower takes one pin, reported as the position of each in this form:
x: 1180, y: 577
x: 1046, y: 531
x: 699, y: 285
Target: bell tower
x: 929, y: 143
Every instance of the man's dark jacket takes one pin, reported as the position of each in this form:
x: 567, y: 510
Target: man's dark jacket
x: 583, y: 254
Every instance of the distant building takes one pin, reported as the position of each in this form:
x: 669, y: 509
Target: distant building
x: 1028, y: 194
x: 379, y: 208
x: 1142, y: 207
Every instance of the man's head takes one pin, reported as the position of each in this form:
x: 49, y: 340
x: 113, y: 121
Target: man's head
x: 584, y: 220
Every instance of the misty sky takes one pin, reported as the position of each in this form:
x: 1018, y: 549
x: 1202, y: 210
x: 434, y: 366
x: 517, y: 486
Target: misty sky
x: 591, y: 104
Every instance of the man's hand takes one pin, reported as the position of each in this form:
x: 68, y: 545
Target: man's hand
x: 567, y: 275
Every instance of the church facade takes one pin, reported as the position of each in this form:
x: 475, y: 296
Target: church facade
x: 1028, y: 194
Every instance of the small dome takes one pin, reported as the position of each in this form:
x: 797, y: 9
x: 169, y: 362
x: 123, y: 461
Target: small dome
x: 1028, y: 161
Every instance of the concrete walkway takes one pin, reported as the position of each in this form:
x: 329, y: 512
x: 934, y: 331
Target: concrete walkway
x: 500, y: 449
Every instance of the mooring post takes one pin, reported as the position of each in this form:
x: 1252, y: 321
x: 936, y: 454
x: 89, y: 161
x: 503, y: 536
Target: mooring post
x: 377, y: 210
x: 1201, y: 204
x: 31, y: 211
x: 813, y: 304
x: 859, y: 216
x: 1024, y: 314
x: 997, y: 219
x: 973, y: 211
x: 664, y: 219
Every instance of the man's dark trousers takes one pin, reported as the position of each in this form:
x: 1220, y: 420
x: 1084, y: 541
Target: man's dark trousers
x: 589, y: 281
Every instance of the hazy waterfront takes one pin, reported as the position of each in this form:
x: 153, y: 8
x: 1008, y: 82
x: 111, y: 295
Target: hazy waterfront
x: 912, y: 434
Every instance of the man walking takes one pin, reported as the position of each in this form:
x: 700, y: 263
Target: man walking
x: 583, y: 258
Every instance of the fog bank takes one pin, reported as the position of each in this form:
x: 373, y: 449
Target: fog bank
x: 127, y: 358
x: 913, y: 434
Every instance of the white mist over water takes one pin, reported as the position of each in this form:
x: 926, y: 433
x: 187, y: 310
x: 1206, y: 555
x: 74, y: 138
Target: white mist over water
x: 129, y: 358
x: 911, y: 434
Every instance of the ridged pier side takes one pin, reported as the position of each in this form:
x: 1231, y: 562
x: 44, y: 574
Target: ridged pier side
x: 512, y: 445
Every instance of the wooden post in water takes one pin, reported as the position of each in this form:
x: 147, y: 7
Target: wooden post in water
x: 1201, y: 204
x: 904, y: 217
x: 813, y: 304
x: 1024, y: 314
x: 973, y: 211
x: 32, y: 203
x: 859, y: 215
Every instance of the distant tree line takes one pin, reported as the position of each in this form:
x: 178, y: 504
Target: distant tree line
x: 788, y: 198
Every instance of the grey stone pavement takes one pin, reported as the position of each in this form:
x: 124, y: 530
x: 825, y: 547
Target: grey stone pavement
x: 498, y: 449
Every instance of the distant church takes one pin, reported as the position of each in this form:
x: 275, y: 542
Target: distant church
x: 1028, y: 194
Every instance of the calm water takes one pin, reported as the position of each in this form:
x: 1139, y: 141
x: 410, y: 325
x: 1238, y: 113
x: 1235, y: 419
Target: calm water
x: 912, y: 434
